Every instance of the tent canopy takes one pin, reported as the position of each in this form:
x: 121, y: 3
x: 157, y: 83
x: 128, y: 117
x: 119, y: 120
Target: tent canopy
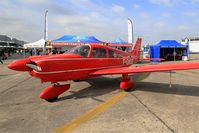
x: 72, y: 38
x: 170, y: 44
x: 63, y: 38
x: 38, y: 44
x: 119, y: 41
x: 164, y: 44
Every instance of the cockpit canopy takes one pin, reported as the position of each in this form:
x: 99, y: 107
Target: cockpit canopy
x: 82, y: 50
x: 95, y: 51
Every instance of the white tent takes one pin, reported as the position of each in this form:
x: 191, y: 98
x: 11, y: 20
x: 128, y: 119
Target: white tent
x: 38, y: 44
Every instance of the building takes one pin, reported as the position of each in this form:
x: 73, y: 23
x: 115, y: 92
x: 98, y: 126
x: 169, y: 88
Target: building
x: 193, y: 44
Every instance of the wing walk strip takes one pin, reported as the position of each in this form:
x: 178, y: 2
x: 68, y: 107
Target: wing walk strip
x: 71, y: 126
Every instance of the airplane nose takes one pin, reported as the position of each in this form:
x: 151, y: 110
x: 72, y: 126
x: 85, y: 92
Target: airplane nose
x: 19, y: 65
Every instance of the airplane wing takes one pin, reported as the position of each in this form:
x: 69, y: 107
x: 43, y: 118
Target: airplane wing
x: 148, y: 68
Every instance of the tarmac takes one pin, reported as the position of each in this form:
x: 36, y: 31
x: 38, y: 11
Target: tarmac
x: 98, y: 105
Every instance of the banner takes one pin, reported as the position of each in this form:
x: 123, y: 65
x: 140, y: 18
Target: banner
x: 130, y: 31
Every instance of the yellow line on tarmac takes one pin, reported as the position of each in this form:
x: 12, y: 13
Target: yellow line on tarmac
x: 69, y: 127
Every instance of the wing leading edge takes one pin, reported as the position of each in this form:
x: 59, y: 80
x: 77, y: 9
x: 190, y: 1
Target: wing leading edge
x: 148, y: 68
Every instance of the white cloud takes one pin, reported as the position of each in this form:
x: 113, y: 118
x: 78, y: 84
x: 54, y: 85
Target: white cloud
x: 87, y: 4
x: 160, y: 24
x: 183, y: 28
x: 144, y: 15
x: 191, y: 13
x: 163, y: 2
x: 33, y: 1
x: 117, y: 8
x: 195, y: 1
x: 136, y: 6
x: 24, y: 19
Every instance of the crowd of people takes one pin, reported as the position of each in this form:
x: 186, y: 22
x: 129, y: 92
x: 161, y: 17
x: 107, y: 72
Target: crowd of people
x: 6, y: 53
x: 3, y: 55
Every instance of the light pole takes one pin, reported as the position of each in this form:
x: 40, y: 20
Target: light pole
x: 45, y: 31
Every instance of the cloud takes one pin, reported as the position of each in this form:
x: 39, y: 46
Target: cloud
x: 160, y: 24
x: 195, y: 1
x: 144, y: 15
x: 24, y: 19
x: 183, y: 28
x: 136, y: 6
x: 117, y: 8
x: 163, y: 2
x: 191, y: 13
x: 34, y: 1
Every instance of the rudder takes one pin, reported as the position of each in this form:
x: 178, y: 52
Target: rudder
x: 136, y: 50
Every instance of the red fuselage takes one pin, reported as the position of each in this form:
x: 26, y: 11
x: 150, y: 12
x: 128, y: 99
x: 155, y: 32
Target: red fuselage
x: 75, y: 64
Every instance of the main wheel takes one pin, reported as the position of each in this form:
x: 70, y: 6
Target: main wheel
x: 76, y: 80
x: 52, y: 99
x: 128, y: 90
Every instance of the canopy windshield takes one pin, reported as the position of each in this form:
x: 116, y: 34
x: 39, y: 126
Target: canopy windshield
x: 82, y: 50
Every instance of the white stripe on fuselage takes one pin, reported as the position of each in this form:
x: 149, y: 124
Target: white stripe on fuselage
x: 75, y: 59
x: 76, y: 70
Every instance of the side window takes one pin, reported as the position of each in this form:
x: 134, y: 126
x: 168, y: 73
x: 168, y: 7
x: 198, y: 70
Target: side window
x: 82, y: 50
x: 99, y: 53
x: 112, y: 54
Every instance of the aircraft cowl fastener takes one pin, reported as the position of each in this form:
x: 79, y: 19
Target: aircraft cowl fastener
x: 19, y: 65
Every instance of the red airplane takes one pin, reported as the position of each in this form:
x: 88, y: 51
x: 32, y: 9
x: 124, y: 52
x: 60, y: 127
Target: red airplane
x: 86, y: 61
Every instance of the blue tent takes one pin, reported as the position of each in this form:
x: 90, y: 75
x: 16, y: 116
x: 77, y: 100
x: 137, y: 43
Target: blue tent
x: 156, y: 49
x: 119, y: 41
x: 72, y: 38
x: 64, y: 38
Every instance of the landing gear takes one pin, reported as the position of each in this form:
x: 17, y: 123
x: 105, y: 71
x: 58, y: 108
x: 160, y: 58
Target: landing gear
x: 52, y: 99
x: 51, y: 93
x: 127, y: 83
x: 76, y: 80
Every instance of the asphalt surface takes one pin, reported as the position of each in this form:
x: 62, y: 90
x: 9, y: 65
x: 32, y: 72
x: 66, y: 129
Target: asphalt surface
x: 98, y: 105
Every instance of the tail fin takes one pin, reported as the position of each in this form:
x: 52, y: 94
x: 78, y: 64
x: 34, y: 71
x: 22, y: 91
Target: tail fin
x: 136, y: 50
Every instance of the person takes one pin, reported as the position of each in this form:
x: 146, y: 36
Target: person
x: 38, y: 52
x: 31, y: 52
x: 54, y: 51
x: 1, y: 54
x: 84, y: 52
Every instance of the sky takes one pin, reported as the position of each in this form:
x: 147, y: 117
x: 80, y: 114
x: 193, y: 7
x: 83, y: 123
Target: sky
x: 153, y: 20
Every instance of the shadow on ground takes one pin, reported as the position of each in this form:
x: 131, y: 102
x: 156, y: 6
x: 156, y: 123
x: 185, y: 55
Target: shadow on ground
x: 98, y: 86
x: 176, y: 89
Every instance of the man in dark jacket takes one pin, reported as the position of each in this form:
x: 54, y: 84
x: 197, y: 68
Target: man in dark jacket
x: 1, y: 55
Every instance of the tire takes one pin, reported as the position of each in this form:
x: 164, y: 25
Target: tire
x: 52, y: 99
x: 76, y: 80
x: 128, y: 90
